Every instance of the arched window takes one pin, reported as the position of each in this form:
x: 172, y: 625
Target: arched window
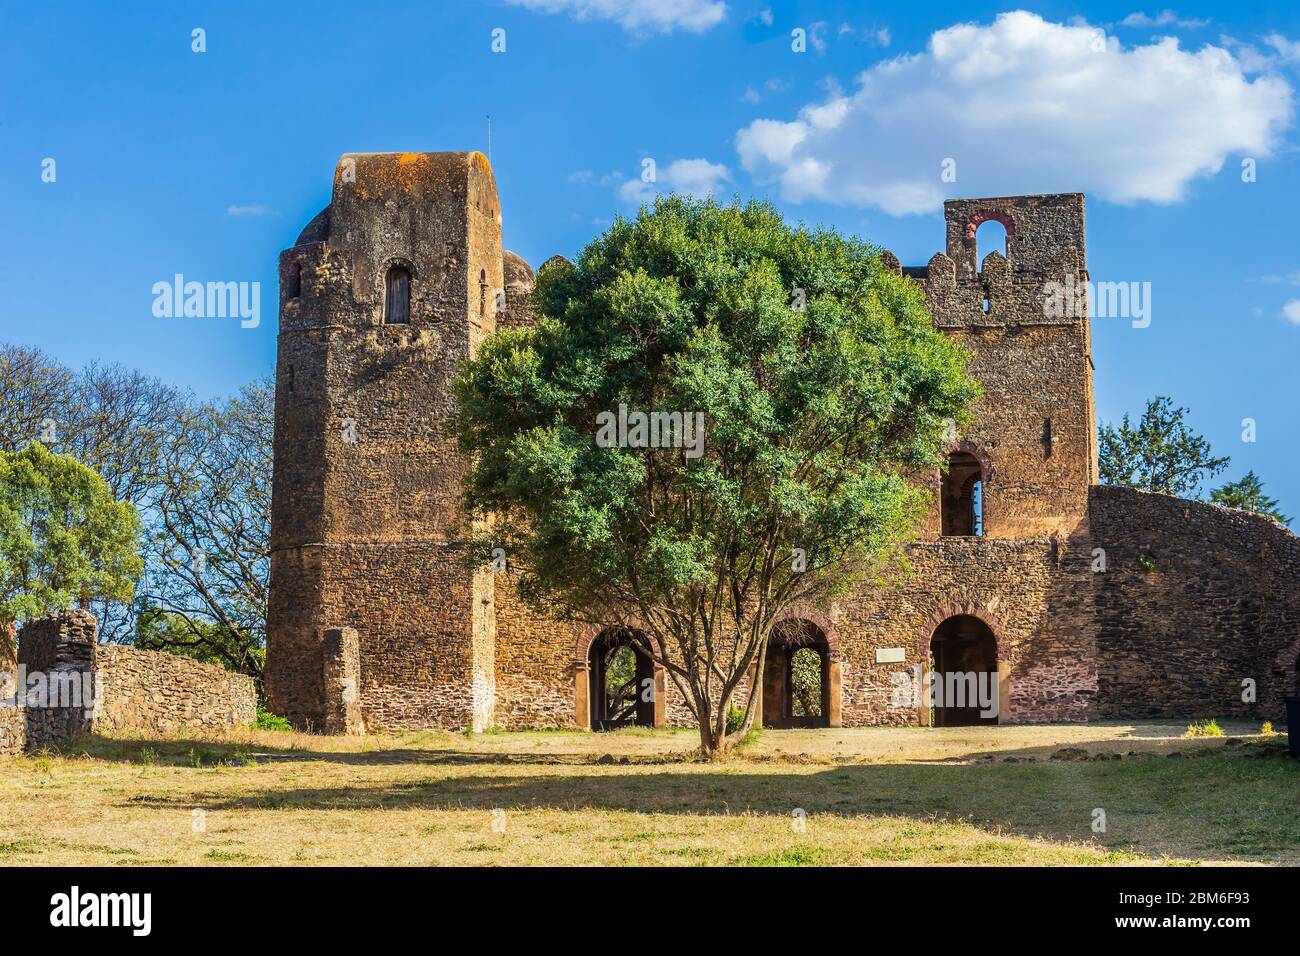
x: 293, y: 281
x: 397, y: 301
x: 990, y: 236
x: 482, y: 292
x: 961, y: 499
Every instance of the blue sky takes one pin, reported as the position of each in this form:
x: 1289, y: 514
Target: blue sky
x: 208, y: 164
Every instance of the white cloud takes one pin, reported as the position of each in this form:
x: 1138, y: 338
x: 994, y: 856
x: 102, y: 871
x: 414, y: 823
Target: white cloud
x: 1279, y: 51
x: 638, y: 16
x: 1022, y: 105
x: 1290, y: 278
x: 1165, y: 18
x: 251, y: 210
x: 1288, y: 50
x: 695, y: 177
x: 1291, y: 311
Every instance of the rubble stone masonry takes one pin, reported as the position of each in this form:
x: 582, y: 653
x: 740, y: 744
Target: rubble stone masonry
x: 1098, y: 602
x: 122, y: 689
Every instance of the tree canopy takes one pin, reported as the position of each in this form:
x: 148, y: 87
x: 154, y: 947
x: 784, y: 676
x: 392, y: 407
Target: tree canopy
x: 64, y: 538
x: 1161, y: 453
x: 821, y: 383
x: 1248, y: 495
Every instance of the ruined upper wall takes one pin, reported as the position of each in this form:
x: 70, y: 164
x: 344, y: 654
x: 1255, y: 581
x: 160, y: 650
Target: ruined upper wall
x: 1042, y: 231
x: 1035, y: 428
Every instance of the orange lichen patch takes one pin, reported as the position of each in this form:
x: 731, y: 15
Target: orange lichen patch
x: 406, y: 158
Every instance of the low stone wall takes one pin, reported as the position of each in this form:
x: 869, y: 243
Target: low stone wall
x: 13, y: 723
x: 110, y: 689
x: 160, y: 692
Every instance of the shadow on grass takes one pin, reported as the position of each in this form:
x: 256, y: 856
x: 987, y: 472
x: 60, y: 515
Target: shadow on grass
x: 1228, y: 804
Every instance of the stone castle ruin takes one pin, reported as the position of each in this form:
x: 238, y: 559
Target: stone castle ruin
x: 64, y: 684
x: 1076, y: 601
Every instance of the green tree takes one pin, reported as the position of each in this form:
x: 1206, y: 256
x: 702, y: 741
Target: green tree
x: 187, y: 636
x: 1248, y: 495
x: 1161, y: 453
x: 64, y: 539
x: 823, y: 385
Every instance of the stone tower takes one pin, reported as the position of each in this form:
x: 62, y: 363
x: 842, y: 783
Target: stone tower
x: 384, y: 294
x: 1034, y: 435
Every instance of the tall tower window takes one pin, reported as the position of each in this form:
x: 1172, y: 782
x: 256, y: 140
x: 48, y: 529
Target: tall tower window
x: 293, y: 281
x: 961, y: 499
x: 397, y: 301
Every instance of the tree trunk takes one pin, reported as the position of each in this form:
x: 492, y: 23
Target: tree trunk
x: 8, y: 645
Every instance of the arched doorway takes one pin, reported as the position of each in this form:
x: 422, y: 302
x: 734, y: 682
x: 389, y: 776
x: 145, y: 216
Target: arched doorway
x: 796, y: 678
x: 622, y: 691
x: 964, y: 664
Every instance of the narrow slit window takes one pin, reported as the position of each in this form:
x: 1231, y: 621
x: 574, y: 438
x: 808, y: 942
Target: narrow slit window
x: 397, y: 302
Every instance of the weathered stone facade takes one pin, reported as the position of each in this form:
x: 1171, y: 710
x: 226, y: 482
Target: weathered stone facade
x: 111, y: 689
x: 1077, y: 601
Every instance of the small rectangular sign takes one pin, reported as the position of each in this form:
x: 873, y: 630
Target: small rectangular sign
x: 890, y: 655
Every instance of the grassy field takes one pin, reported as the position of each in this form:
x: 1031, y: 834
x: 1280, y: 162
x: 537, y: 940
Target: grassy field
x: 1001, y: 795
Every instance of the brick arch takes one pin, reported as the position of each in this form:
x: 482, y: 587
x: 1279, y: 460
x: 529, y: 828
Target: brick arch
x: 406, y: 263
x: 979, y: 454
x: 971, y: 448
x: 977, y: 219
x: 804, y: 612
x: 968, y: 608
x: 589, y: 632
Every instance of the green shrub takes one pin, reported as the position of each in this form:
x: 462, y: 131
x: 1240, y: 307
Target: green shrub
x: 1204, y: 728
x: 735, y: 719
x: 269, y: 721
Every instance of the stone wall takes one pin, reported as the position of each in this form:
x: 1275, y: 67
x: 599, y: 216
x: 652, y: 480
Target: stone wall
x: 164, y: 693
x: 1195, y: 599
x: 13, y: 725
x: 110, y: 689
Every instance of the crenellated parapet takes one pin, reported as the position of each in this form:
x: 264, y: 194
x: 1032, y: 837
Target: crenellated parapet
x: 1040, y: 280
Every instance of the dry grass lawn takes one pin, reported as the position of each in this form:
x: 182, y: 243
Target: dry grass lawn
x: 892, y: 796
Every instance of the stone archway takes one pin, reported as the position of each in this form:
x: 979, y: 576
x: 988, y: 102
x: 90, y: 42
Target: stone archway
x: 594, y: 652
x: 796, y: 676
x: 621, y: 677
x: 964, y: 664
x: 1286, y: 674
x: 801, y: 684
x: 965, y: 640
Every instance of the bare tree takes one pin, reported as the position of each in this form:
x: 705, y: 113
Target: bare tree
x: 36, y: 393
x: 209, y: 558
